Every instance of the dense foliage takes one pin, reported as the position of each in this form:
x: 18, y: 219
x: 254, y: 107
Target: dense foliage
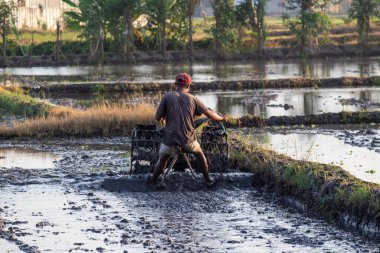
x: 253, y: 14
x: 362, y: 11
x: 225, y: 30
x: 122, y: 26
x: 6, y: 21
x: 310, y: 22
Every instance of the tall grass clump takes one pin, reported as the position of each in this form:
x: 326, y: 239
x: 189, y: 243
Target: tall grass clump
x: 99, y: 120
x: 13, y: 101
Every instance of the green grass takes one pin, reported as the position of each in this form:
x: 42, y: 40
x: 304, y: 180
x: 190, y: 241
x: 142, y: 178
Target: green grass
x: 15, y: 102
x: 376, y: 81
x: 26, y: 37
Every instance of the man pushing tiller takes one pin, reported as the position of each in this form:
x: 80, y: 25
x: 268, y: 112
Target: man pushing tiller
x: 178, y: 109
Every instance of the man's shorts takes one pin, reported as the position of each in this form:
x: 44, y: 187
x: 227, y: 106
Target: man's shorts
x: 193, y: 147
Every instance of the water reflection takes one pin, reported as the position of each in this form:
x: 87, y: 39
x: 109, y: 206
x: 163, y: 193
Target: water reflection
x: 359, y: 161
x: 8, y: 247
x: 209, y: 71
x: 304, y: 101
x: 26, y: 158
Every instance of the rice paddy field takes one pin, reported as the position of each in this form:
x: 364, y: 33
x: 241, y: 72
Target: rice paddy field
x: 65, y: 161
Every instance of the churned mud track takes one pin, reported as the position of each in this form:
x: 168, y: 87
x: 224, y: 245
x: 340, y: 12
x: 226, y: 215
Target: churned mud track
x: 65, y: 209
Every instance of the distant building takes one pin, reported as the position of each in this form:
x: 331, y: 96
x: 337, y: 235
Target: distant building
x: 39, y: 14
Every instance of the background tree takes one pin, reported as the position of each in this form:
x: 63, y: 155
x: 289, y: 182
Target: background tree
x: 90, y: 19
x: 6, y: 22
x: 225, y: 31
x: 310, y: 22
x: 253, y: 14
x: 190, y: 12
x: 362, y: 11
x: 160, y: 12
x: 119, y: 16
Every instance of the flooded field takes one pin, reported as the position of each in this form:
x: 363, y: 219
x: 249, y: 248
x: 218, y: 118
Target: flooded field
x: 54, y: 192
x: 262, y: 102
x: 204, y: 72
x: 361, y: 162
x: 8, y: 247
x: 67, y: 210
x: 267, y: 103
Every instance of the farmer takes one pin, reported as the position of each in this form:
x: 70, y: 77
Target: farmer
x: 178, y: 109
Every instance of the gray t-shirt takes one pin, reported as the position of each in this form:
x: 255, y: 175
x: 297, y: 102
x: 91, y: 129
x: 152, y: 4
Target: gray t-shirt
x: 179, y: 110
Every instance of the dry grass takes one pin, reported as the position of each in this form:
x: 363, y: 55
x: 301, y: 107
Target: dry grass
x: 102, y: 120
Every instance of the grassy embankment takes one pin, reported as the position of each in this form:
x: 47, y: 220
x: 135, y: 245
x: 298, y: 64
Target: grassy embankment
x: 13, y: 101
x: 341, y: 118
x: 130, y: 87
x: 327, y: 190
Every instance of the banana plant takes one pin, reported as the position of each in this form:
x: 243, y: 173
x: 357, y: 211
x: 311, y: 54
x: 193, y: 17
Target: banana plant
x: 89, y: 17
x: 120, y: 17
x: 160, y: 12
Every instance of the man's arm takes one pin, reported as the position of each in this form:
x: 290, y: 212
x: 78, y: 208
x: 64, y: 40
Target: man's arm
x: 202, y: 109
x: 160, y: 113
x: 214, y: 116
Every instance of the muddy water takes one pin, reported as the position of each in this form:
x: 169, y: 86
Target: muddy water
x: 65, y: 209
x: 26, y: 158
x: 203, y: 72
x: 361, y: 162
x: 7, y: 247
x: 60, y: 219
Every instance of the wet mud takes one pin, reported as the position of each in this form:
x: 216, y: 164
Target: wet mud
x: 65, y: 208
x: 179, y: 181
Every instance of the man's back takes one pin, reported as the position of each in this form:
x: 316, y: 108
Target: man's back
x: 179, y: 109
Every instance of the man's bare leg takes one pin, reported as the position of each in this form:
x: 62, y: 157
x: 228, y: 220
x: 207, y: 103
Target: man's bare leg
x: 203, y: 166
x: 160, y: 167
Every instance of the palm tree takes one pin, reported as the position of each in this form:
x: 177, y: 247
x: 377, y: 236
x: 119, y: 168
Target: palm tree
x: 92, y: 14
